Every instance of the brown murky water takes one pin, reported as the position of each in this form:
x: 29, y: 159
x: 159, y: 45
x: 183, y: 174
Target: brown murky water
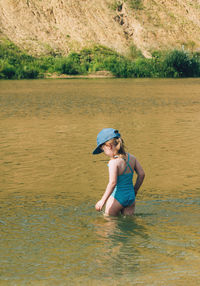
x: 49, y: 182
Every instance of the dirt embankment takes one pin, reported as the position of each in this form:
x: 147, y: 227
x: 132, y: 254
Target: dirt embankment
x: 60, y: 26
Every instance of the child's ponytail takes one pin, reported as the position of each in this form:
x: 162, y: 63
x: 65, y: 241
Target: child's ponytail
x: 119, y: 147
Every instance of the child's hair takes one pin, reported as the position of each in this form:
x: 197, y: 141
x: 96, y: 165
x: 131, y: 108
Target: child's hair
x: 119, y: 146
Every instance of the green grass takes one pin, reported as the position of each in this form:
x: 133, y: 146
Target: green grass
x: 116, y: 5
x: 136, y: 4
x: 133, y: 4
x: 15, y: 64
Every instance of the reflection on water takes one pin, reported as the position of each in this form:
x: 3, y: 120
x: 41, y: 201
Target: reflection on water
x: 49, y: 182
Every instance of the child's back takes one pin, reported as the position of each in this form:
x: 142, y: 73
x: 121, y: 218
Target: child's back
x: 124, y: 190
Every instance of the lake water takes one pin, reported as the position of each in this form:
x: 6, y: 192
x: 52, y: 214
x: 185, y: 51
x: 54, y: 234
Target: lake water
x: 49, y: 182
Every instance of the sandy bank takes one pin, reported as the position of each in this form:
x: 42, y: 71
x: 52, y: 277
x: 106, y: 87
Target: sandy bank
x: 98, y: 74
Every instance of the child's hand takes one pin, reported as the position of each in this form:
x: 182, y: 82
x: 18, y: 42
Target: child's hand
x: 99, y: 205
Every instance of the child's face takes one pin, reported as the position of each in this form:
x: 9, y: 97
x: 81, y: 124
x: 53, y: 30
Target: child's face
x: 108, y: 149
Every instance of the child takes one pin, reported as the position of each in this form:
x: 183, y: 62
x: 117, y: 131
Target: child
x: 120, y: 193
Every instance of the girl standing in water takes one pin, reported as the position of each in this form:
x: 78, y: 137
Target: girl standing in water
x: 120, y: 193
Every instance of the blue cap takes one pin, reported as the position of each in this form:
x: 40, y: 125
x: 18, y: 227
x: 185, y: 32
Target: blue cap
x: 103, y: 136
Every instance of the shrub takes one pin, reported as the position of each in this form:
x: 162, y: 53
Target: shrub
x: 7, y: 70
x: 180, y: 64
x: 143, y: 68
x: 115, y: 65
x: 67, y: 66
x: 29, y: 71
x: 46, y: 63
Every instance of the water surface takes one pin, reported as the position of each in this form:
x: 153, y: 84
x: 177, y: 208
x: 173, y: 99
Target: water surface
x: 49, y: 182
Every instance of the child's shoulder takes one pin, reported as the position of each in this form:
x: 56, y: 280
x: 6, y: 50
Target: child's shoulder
x: 114, y: 161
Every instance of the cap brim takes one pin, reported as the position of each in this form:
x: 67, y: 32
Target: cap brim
x: 97, y: 151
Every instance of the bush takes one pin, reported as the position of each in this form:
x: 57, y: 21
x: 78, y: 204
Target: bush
x: 143, y: 68
x: 117, y: 66
x: 67, y: 66
x: 180, y: 64
x: 46, y: 64
x: 29, y: 71
x: 7, y: 70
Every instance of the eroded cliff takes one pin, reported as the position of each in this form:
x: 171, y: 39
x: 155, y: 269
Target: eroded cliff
x: 59, y: 26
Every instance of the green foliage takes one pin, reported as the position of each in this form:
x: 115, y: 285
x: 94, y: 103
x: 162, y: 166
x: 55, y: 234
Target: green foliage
x: 7, y: 70
x: 116, y: 5
x: 136, y: 4
x: 180, y: 64
x: 143, y: 68
x: 14, y: 64
x: 116, y: 65
x: 134, y: 52
x: 67, y: 66
x: 29, y: 71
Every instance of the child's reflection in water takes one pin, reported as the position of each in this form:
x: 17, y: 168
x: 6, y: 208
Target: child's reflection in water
x: 120, y: 240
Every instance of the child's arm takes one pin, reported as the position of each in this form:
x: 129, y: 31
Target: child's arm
x: 140, y: 176
x: 111, y: 185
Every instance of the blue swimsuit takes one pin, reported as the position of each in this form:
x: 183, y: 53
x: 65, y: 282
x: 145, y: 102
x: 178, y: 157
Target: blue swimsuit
x: 124, y: 191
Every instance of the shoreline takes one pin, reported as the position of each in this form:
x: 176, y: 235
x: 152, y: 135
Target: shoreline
x: 98, y: 74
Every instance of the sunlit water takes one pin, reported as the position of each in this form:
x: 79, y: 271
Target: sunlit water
x: 49, y: 182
